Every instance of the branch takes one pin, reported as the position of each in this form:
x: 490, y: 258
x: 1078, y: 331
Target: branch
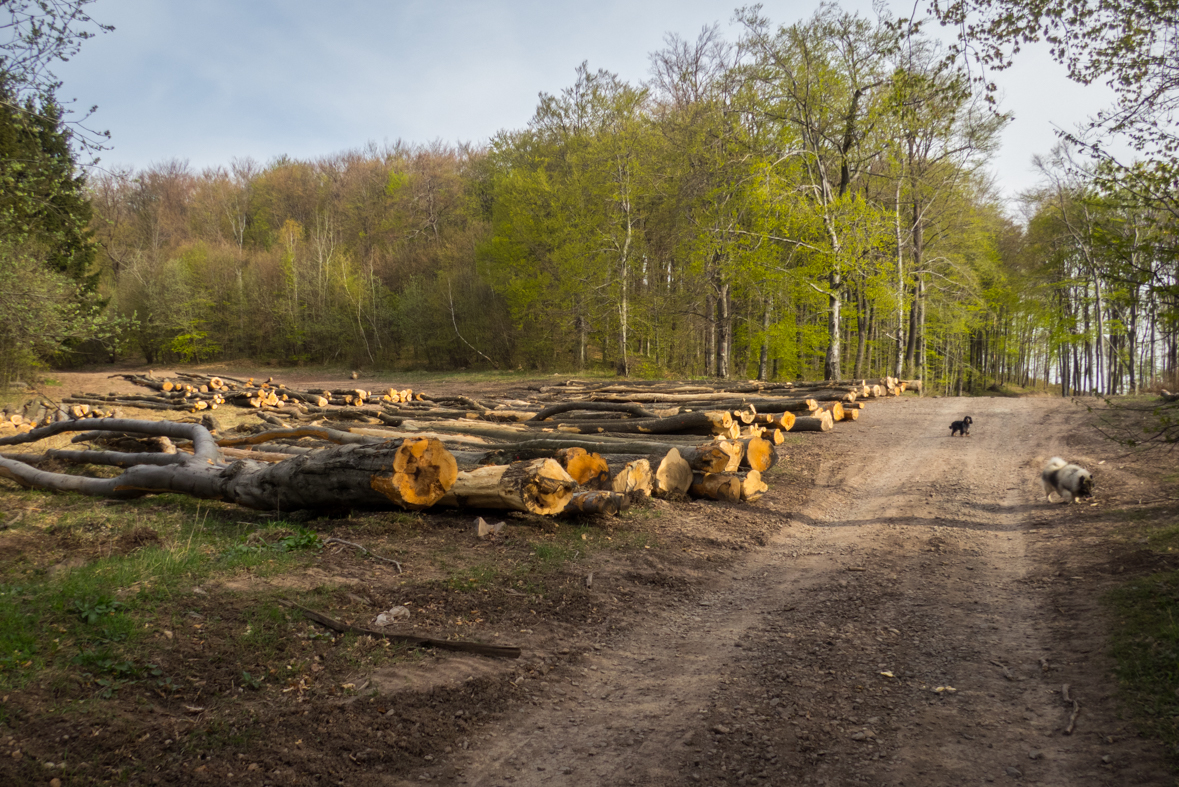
x: 334, y: 540
x: 500, y: 651
x: 454, y: 320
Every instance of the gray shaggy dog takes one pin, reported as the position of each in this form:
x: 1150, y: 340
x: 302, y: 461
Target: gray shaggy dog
x: 1065, y: 479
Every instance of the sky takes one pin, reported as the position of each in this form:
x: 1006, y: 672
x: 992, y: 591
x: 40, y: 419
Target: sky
x: 208, y: 81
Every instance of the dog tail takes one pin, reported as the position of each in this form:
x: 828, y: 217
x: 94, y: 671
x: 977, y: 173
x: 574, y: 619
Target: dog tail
x: 1055, y: 463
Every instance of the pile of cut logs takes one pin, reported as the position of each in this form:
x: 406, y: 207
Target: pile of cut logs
x: 39, y: 412
x: 576, y: 447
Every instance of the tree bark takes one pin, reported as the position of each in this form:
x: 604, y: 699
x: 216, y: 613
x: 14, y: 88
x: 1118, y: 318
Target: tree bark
x: 540, y: 486
x: 412, y: 473
x: 819, y: 423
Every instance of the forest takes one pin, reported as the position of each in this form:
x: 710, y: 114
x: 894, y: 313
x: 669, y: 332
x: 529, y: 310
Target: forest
x: 809, y: 200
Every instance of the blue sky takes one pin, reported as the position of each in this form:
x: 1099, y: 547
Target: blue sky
x: 208, y: 81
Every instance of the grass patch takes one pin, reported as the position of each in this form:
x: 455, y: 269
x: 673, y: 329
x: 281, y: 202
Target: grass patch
x: 94, y: 580
x: 1145, y: 644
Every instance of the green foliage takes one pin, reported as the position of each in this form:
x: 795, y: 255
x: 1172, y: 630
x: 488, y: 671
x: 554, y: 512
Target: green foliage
x: 256, y: 544
x: 757, y: 206
x: 92, y: 610
x: 1128, y: 45
x: 48, y: 303
x: 43, y: 314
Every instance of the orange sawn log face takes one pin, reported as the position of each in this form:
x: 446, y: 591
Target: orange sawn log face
x: 422, y: 471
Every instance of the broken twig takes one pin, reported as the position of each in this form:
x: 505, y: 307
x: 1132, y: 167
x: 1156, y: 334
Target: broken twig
x: 334, y: 540
x: 1006, y: 672
x: 1072, y: 719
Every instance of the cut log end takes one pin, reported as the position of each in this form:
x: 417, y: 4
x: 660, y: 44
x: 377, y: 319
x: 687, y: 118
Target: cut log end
x: 422, y: 471
x: 587, y: 469
x: 673, y: 476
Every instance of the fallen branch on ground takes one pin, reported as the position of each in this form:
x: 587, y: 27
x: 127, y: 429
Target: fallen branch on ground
x: 334, y: 540
x: 497, y: 651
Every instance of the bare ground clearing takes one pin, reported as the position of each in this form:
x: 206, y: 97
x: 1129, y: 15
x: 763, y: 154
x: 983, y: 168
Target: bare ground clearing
x: 902, y: 608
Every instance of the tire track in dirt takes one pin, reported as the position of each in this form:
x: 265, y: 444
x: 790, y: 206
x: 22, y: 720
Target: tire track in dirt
x: 890, y: 635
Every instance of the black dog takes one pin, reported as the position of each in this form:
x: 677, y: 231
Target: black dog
x: 962, y: 426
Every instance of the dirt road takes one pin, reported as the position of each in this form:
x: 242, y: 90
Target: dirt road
x: 916, y: 622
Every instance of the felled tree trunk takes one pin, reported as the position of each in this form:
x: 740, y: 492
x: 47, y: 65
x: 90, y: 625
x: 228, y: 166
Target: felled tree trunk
x: 818, y: 423
x: 716, y: 486
x: 759, y: 454
x: 673, y: 476
x: 596, y: 502
x: 752, y: 487
x: 710, y: 422
x: 540, y: 487
x: 587, y: 469
x: 411, y: 473
x: 634, y: 478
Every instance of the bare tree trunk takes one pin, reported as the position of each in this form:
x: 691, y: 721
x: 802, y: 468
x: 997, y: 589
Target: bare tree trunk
x: 763, y: 357
x: 725, y: 331
x: 832, y: 362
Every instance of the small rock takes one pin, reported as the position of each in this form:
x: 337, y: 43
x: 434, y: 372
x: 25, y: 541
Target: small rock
x: 859, y: 736
x: 392, y: 615
x: 1014, y: 773
x: 721, y: 729
x: 1035, y: 754
x: 1106, y: 760
x: 484, y: 530
x: 55, y: 782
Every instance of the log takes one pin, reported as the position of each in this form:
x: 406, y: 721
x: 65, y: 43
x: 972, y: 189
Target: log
x: 634, y: 477
x: 607, y: 407
x: 713, y: 457
x: 752, y: 487
x: 587, y: 469
x: 596, y: 502
x: 540, y: 486
x: 673, y: 476
x: 783, y: 420
x: 331, y: 435
x: 835, y: 408
x: 707, y: 422
x: 716, y: 486
x: 759, y: 454
x: 412, y: 473
x: 819, y: 423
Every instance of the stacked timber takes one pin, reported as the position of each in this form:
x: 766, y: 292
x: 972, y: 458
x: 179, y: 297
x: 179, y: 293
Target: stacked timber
x: 42, y: 412
x: 576, y: 447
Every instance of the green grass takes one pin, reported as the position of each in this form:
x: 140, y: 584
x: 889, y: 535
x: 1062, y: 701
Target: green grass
x: 88, y: 623
x: 1145, y: 644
